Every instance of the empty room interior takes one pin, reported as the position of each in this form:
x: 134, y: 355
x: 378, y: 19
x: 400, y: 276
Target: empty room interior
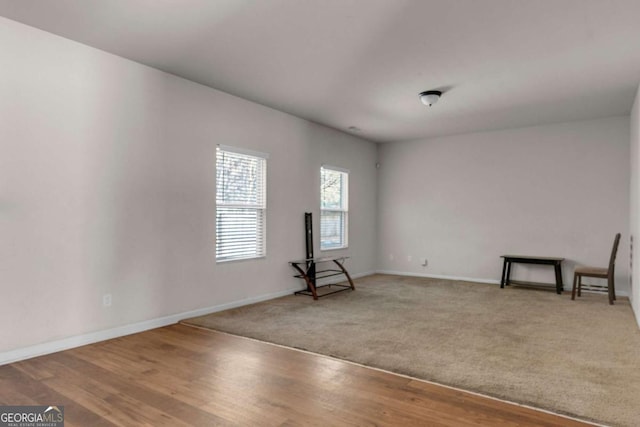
x: 337, y: 212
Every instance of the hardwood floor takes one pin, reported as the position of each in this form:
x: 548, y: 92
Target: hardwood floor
x: 179, y: 376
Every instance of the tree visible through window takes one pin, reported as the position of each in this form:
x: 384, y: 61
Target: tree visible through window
x: 334, y: 190
x: 241, y: 204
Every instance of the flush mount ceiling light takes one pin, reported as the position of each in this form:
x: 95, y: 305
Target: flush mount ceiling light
x: 430, y: 97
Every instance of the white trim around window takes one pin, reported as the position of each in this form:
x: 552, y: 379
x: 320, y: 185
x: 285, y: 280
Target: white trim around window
x: 246, y: 151
x: 241, y: 204
x: 334, y: 208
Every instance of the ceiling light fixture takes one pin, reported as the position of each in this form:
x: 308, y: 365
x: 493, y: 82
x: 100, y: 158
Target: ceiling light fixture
x: 430, y: 97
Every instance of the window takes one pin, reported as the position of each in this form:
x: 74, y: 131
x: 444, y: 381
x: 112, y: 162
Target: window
x: 241, y: 204
x: 334, y: 210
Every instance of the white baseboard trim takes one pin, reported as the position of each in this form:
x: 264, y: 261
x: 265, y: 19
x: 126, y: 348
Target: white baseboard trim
x: 636, y: 314
x: 365, y: 274
x: 469, y: 279
x: 439, y: 276
x: 93, y: 337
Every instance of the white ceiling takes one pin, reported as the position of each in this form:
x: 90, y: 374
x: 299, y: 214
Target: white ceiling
x: 362, y: 63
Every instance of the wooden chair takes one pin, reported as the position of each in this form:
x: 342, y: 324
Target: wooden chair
x: 600, y: 273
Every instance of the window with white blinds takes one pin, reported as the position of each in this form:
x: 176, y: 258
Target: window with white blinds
x: 334, y: 208
x: 241, y: 204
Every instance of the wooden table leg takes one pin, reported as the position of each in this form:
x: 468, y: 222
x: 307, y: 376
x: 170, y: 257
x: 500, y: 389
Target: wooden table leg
x: 559, y: 284
x: 504, y: 270
x: 506, y: 280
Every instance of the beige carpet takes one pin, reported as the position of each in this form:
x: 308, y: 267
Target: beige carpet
x: 580, y: 358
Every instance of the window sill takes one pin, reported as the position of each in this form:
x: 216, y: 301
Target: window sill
x: 224, y: 261
x: 334, y: 249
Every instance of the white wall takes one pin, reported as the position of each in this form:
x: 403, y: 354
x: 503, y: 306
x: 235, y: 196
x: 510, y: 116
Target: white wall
x: 107, y: 185
x: 462, y: 201
x: 635, y: 199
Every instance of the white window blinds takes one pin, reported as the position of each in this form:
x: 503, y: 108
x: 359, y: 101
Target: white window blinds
x: 334, y: 208
x: 241, y: 204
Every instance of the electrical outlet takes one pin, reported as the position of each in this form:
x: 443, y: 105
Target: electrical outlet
x: 106, y: 300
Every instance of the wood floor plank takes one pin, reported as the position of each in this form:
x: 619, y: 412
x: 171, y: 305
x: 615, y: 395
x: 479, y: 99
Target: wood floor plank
x: 19, y: 388
x: 119, y: 398
x: 179, y: 375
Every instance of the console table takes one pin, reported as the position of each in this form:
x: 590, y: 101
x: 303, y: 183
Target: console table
x: 524, y: 259
x: 308, y: 271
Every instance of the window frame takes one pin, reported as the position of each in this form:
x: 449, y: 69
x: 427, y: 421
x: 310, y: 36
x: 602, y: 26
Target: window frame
x: 343, y: 210
x: 259, y: 207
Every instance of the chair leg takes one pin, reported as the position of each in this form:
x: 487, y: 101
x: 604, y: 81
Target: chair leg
x: 611, y: 291
x: 573, y: 290
x: 613, y: 286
